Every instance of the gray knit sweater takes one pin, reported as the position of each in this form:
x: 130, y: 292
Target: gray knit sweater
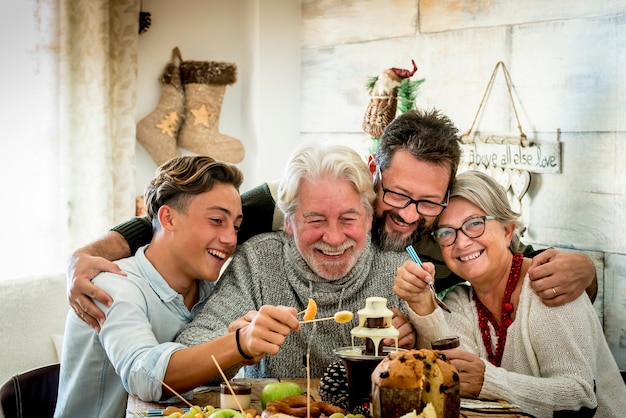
x: 268, y: 270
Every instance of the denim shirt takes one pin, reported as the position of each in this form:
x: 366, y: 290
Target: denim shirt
x: 133, y: 347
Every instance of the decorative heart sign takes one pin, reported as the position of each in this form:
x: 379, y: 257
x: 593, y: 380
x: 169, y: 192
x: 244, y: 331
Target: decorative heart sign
x: 502, y: 176
x: 520, y: 181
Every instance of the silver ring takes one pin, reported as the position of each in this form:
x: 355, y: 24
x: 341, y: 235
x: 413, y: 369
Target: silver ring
x: 554, y: 291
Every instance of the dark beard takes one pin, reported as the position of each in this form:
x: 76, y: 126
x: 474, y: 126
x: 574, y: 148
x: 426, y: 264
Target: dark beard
x: 393, y: 242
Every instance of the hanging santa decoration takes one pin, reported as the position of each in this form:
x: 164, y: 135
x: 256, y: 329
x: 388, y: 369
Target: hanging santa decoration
x: 383, y: 102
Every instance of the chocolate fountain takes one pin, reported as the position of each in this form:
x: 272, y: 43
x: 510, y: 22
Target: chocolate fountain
x: 361, y: 360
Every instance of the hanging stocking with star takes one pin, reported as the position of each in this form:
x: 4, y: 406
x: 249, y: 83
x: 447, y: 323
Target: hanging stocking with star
x: 157, y: 131
x: 205, y: 83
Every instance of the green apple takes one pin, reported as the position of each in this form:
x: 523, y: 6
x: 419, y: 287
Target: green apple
x: 226, y: 413
x: 192, y: 412
x: 277, y: 390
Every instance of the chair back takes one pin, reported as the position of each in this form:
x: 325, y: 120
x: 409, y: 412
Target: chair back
x: 31, y: 394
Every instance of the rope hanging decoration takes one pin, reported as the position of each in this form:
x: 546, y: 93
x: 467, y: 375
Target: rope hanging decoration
x: 465, y: 138
x: 515, y: 181
x: 509, y: 160
x: 501, y: 152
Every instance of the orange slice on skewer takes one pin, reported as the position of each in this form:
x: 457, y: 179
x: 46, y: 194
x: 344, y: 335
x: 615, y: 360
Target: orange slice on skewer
x: 311, y: 311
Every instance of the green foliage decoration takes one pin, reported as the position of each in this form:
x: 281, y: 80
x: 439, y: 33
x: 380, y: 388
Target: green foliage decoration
x: 407, y: 93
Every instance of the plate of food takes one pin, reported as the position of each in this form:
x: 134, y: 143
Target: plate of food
x: 467, y: 403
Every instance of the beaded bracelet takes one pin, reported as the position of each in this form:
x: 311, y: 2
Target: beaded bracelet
x: 244, y: 355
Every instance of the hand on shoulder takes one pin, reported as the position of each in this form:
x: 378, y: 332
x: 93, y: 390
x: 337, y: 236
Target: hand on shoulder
x: 559, y: 277
x: 83, y: 265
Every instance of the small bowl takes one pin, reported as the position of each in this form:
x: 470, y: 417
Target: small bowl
x: 445, y: 343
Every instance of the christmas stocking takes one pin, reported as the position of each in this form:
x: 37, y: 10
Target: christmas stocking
x: 157, y: 131
x: 205, y: 84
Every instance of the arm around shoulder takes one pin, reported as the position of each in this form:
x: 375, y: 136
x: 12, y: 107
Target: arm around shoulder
x: 111, y: 246
x: 83, y: 265
x: 135, y: 232
x: 559, y: 277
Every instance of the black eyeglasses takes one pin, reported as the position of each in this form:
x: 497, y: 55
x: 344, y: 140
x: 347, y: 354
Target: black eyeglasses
x: 401, y: 201
x: 472, y: 228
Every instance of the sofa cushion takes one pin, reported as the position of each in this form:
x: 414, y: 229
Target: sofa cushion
x: 32, y: 310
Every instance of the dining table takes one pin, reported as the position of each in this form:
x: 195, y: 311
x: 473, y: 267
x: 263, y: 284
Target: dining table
x: 210, y: 395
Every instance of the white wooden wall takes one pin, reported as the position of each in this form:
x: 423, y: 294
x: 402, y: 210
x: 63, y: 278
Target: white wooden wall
x: 566, y: 59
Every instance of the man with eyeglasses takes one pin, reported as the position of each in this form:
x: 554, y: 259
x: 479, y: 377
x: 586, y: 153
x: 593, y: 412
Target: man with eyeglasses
x: 417, y: 159
x: 414, y: 168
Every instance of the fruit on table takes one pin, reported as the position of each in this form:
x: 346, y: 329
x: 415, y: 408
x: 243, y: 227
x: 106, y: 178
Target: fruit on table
x: 171, y: 411
x: 226, y: 413
x: 250, y: 411
x: 277, y: 390
x: 194, y: 412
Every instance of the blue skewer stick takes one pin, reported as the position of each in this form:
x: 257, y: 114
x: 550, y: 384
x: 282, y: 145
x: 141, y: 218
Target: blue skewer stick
x: 414, y: 255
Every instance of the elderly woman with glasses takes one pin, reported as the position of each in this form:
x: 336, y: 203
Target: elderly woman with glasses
x: 550, y: 361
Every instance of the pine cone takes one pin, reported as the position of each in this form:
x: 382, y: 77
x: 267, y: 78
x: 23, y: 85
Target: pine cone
x: 334, y: 385
x: 145, y: 20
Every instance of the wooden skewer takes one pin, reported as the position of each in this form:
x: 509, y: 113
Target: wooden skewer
x: 318, y: 319
x: 308, y: 385
x: 228, y: 384
x: 175, y: 393
x: 340, y: 317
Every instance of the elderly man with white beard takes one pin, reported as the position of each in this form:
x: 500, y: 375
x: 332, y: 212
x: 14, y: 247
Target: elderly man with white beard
x: 325, y: 253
